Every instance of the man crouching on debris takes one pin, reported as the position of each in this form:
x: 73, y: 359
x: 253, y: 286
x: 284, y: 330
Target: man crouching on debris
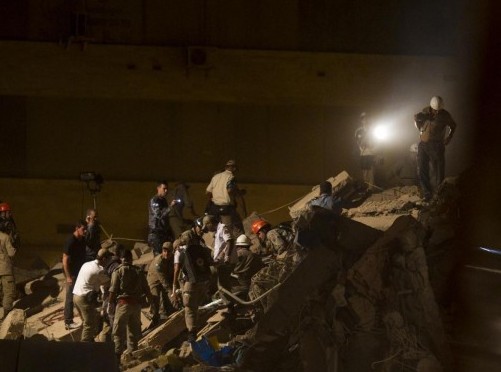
x: 195, y: 261
x: 128, y: 286
x: 326, y: 200
x: 85, y: 292
x: 270, y: 239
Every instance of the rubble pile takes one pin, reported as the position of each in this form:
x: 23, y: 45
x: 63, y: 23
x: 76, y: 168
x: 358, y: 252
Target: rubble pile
x: 364, y: 290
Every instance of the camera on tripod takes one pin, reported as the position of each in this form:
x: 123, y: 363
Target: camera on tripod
x: 93, y: 180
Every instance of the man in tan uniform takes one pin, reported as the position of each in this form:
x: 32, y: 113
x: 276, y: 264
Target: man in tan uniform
x: 128, y: 285
x: 8, y: 286
x: 160, y: 276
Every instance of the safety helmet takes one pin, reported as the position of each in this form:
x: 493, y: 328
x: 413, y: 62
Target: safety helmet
x: 437, y: 103
x: 243, y: 241
x: 4, y: 207
x: 414, y: 147
x: 199, y: 222
x: 258, y: 225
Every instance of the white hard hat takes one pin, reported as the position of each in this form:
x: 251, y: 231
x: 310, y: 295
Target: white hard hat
x: 414, y: 147
x: 243, y: 241
x: 437, y: 103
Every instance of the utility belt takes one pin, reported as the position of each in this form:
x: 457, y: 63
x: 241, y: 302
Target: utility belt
x: 127, y: 300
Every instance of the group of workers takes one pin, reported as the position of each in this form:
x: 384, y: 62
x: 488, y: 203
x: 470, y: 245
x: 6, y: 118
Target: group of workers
x: 436, y: 128
x: 185, y: 272
x: 185, y: 267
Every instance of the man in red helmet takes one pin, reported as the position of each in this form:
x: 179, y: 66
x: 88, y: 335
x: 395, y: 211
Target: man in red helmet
x: 8, y: 226
x: 8, y: 286
x: 271, y: 240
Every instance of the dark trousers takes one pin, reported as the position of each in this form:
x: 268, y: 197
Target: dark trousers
x: 68, y: 303
x: 430, y: 153
x: 155, y: 241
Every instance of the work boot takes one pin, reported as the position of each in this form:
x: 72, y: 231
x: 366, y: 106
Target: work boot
x: 70, y: 326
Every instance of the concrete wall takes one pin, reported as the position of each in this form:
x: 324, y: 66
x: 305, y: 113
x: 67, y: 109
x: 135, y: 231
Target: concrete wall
x: 135, y: 112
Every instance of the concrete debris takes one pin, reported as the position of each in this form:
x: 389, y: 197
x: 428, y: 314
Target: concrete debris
x: 357, y: 292
x: 13, y: 325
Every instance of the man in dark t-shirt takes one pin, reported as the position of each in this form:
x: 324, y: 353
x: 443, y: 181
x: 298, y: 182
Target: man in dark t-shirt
x: 73, y: 259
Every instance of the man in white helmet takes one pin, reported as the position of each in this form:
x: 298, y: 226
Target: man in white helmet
x: 432, y: 123
x: 247, y: 265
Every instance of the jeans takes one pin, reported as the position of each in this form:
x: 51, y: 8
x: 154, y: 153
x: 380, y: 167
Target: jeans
x: 430, y: 153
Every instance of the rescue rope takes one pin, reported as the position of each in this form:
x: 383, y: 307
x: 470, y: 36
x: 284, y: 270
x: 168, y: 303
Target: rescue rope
x: 283, y: 206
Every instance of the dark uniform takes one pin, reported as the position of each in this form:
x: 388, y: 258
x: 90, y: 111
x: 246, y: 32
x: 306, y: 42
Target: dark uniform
x: 158, y: 225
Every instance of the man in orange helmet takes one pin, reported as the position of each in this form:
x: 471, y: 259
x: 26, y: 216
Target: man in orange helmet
x: 272, y: 241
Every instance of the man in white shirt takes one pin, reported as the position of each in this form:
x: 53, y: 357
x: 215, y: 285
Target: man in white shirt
x: 90, y: 278
x: 225, y: 254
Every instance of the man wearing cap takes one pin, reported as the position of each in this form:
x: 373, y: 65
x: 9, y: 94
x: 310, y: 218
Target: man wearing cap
x: 160, y: 276
x: 91, y: 277
x: 8, y: 286
x: 223, y: 194
x: 128, y: 286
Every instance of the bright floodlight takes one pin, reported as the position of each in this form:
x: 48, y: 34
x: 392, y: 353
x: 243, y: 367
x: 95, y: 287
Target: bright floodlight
x: 381, y: 132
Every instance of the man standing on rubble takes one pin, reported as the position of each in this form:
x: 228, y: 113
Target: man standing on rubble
x: 91, y: 277
x: 247, y: 265
x: 128, y: 286
x: 160, y: 277
x: 8, y: 285
x: 223, y: 194
x: 93, y: 236
x: 73, y: 259
x: 365, y: 144
x: 194, y: 261
x: 432, y: 123
x: 158, y: 224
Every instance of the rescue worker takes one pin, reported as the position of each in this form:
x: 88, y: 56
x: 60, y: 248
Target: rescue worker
x: 176, y: 218
x: 201, y: 225
x: 128, y: 286
x: 432, y: 123
x: 365, y: 144
x: 8, y: 285
x: 223, y: 194
x: 160, y: 277
x: 247, y: 265
x: 271, y: 240
x: 225, y: 254
x: 194, y: 261
x: 158, y: 224
x: 8, y: 225
x: 326, y: 200
x: 93, y: 236
x: 73, y: 259
x: 91, y: 277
